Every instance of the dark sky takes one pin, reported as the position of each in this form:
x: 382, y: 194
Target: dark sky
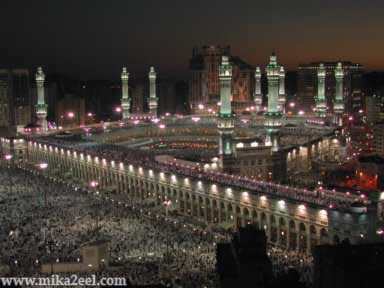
x: 94, y: 38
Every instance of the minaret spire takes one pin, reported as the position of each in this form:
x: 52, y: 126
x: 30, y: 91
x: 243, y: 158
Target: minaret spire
x: 152, y: 100
x: 338, y: 105
x: 258, y: 97
x: 321, y: 105
x: 225, y: 119
x: 41, y: 107
x: 125, y: 100
x: 282, y: 97
x: 273, y: 115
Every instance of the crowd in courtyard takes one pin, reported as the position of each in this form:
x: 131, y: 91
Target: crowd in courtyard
x: 47, y: 221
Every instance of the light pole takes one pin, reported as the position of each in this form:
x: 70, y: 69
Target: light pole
x: 167, y: 203
x: 8, y: 158
x: 42, y: 167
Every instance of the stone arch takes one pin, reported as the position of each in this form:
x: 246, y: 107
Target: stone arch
x: 200, y: 206
x: 324, y: 238
x: 254, y: 219
x: 303, y: 237
x: 273, y: 229
x: 230, y: 211
x: 293, y: 234
x: 237, y: 217
x: 194, y: 205
x: 312, y: 235
x: 215, y: 211
x: 283, y: 233
x: 263, y: 221
x: 188, y: 201
x: 247, y: 217
x: 223, y: 212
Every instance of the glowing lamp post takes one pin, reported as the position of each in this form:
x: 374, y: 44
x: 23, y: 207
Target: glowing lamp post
x: 8, y: 157
x: 42, y: 166
x: 167, y: 204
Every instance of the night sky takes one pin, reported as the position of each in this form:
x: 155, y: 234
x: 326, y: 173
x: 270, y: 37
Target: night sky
x: 93, y: 38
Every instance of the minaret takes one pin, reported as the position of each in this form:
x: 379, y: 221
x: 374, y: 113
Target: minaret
x: 225, y: 119
x: 321, y: 105
x: 338, y: 105
x: 273, y: 115
x: 258, y: 97
x: 282, y: 97
x: 152, y: 100
x: 125, y: 100
x: 41, y: 107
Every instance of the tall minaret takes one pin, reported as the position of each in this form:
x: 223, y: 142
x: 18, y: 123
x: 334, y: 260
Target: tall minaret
x: 125, y: 101
x: 338, y: 105
x: 152, y: 100
x: 282, y: 97
x: 225, y: 120
x: 273, y: 115
x: 258, y: 97
x: 321, y: 105
x: 41, y: 107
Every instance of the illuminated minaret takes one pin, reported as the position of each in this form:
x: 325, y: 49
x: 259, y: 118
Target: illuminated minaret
x: 125, y: 101
x: 338, y: 105
x: 273, y: 115
x: 321, y: 105
x: 41, y: 107
x: 225, y: 120
x: 152, y: 100
x: 258, y: 97
x: 282, y: 97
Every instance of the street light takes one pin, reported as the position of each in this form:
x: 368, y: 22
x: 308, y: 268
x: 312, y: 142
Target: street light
x: 44, y: 166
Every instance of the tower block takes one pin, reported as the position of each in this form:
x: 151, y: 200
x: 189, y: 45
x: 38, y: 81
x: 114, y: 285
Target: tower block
x: 321, y: 105
x: 41, y: 107
x: 152, y: 100
x: 225, y: 119
x: 338, y: 105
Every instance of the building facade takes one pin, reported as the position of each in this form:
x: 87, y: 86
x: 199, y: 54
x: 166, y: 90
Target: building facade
x: 15, y: 99
x: 352, y: 88
x: 205, y: 86
x: 378, y: 138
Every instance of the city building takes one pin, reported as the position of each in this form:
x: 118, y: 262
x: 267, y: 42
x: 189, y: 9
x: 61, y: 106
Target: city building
x: 378, y: 138
x: 15, y: 99
x: 370, y: 172
x: 204, y: 91
x: 70, y: 112
x: 353, y: 85
x: 374, y: 109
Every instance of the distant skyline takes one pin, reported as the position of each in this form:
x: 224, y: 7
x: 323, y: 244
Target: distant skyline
x: 91, y: 39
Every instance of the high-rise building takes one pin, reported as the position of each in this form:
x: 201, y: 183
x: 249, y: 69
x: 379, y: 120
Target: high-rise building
x: 352, y: 88
x: 204, y: 85
x: 15, y: 99
x: 378, y: 138
x: 374, y: 108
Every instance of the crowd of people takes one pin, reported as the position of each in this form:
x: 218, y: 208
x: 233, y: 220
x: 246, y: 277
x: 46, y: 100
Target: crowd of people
x: 149, y: 246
